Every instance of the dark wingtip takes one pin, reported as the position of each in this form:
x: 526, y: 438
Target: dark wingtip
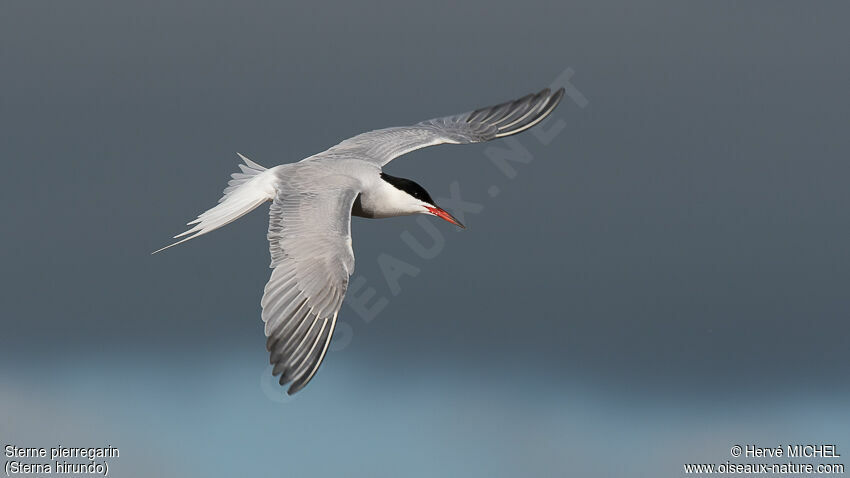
x: 558, y: 96
x: 294, y: 388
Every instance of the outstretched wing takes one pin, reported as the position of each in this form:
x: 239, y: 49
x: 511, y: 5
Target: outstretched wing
x: 383, y: 145
x: 310, y: 241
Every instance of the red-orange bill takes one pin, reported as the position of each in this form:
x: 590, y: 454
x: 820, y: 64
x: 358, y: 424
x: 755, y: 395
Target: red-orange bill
x: 442, y: 214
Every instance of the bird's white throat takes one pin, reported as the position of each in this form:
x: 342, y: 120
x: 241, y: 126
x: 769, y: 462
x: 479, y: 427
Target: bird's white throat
x: 385, y: 200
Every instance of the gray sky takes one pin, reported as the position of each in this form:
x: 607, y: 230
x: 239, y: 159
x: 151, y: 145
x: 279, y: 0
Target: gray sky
x: 686, y: 228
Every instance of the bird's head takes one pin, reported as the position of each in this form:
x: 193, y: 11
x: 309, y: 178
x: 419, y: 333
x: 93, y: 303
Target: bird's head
x: 414, y: 199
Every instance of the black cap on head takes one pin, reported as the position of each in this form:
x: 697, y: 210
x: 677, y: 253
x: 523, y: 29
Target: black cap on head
x: 409, y: 187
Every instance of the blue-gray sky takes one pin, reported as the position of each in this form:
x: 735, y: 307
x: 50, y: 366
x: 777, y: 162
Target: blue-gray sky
x: 679, y: 246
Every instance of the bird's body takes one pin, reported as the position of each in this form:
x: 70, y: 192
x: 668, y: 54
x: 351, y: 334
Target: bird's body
x: 310, y: 219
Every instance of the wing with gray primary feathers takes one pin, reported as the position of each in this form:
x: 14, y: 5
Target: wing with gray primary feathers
x: 383, y: 145
x: 310, y: 241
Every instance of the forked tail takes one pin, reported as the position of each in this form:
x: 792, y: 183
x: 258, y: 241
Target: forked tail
x: 247, y: 190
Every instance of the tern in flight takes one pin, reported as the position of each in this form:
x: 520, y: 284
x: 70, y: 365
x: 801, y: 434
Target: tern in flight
x: 310, y: 219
